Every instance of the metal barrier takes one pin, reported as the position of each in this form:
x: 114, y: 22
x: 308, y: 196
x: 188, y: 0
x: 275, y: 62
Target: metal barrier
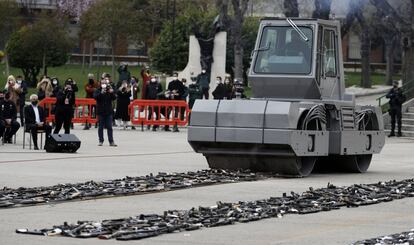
x: 159, y: 112
x: 84, y: 111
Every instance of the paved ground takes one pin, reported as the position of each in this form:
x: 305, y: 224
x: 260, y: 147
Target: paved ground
x: 140, y: 153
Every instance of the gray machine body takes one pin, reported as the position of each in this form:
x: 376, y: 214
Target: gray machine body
x: 270, y: 124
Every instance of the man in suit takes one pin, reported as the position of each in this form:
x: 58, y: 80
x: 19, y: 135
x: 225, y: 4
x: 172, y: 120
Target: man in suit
x: 35, y: 119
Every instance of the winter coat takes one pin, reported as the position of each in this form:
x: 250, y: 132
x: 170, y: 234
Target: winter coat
x: 220, y: 92
x: 122, y: 103
x: 104, y: 102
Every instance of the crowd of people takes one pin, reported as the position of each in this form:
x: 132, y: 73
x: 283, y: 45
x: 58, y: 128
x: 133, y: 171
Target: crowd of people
x: 112, y: 101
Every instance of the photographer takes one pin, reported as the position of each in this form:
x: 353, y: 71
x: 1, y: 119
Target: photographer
x: 122, y: 103
x: 72, y: 83
x: 153, y: 92
x: 124, y: 74
x: 65, y: 100
x: 104, y: 97
x: 397, y: 98
x: 238, y: 89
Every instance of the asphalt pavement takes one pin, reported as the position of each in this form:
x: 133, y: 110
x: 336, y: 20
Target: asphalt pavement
x: 141, y: 153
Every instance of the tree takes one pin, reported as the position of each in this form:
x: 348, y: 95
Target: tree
x: 168, y: 58
x: 291, y: 8
x: 74, y: 9
x: 403, y: 21
x: 249, y: 33
x: 33, y: 47
x: 110, y: 21
x: 234, y: 26
x: 8, y: 23
x: 322, y: 9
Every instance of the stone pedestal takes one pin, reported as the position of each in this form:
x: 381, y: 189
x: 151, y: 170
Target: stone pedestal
x: 218, y: 67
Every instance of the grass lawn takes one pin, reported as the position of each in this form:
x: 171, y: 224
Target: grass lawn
x: 75, y: 72
x: 354, y: 78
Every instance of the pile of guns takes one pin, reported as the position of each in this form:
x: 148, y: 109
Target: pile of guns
x: 311, y: 201
x: 399, y: 238
x: 126, y: 186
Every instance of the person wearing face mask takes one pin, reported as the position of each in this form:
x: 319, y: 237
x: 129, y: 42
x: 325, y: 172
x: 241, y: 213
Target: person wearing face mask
x: 104, y: 97
x: 203, y: 80
x: 72, y: 83
x: 8, y: 118
x: 176, y: 91
x: 134, y: 88
x: 90, y: 88
x: 35, y: 118
x: 153, y: 92
x: 194, y: 93
x: 397, y: 98
x: 220, y: 92
x: 13, y: 88
x: 65, y: 101
x: 22, y: 91
x: 229, y: 87
x: 55, y: 85
x: 44, y: 88
x: 122, y: 103
x: 146, y: 78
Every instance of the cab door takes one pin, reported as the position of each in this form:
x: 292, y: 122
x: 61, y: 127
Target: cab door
x: 328, y: 73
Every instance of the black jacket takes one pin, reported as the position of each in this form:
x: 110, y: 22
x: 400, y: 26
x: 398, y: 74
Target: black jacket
x: 179, y: 87
x: 8, y: 110
x: 153, y: 90
x: 220, y: 92
x: 22, y: 95
x: 30, y: 117
x: 104, y: 102
x: 61, y: 96
x: 397, y: 98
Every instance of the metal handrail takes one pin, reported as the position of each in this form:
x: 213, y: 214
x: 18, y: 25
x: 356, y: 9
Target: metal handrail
x: 405, y: 91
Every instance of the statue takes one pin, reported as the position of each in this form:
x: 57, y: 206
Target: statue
x: 207, y: 44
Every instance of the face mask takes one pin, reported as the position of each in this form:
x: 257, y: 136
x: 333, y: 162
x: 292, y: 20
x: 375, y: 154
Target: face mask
x: 175, y: 78
x: 7, y: 97
x: 104, y: 86
x: 54, y: 82
x: 227, y: 81
x: 218, y: 81
x: 153, y: 80
x: 203, y: 71
x: 19, y: 81
x: 34, y: 102
x: 1, y: 98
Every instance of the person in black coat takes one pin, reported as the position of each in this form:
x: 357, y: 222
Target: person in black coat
x: 153, y: 92
x: 397, y: 98
x: 65, y: 101
x: 122, y: 103
x: 104, y: 97
x: 22, y: 96
x: 220, y: 92
x: 176, y: 91
x: 35, y: 118
x: 8, y: 116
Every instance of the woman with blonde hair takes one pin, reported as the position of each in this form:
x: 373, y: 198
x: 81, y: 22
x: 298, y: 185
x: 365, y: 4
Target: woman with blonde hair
x: 44, y: 88
x: 14, y: 90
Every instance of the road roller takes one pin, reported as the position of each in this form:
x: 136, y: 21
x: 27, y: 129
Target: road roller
x: 299, y: 117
